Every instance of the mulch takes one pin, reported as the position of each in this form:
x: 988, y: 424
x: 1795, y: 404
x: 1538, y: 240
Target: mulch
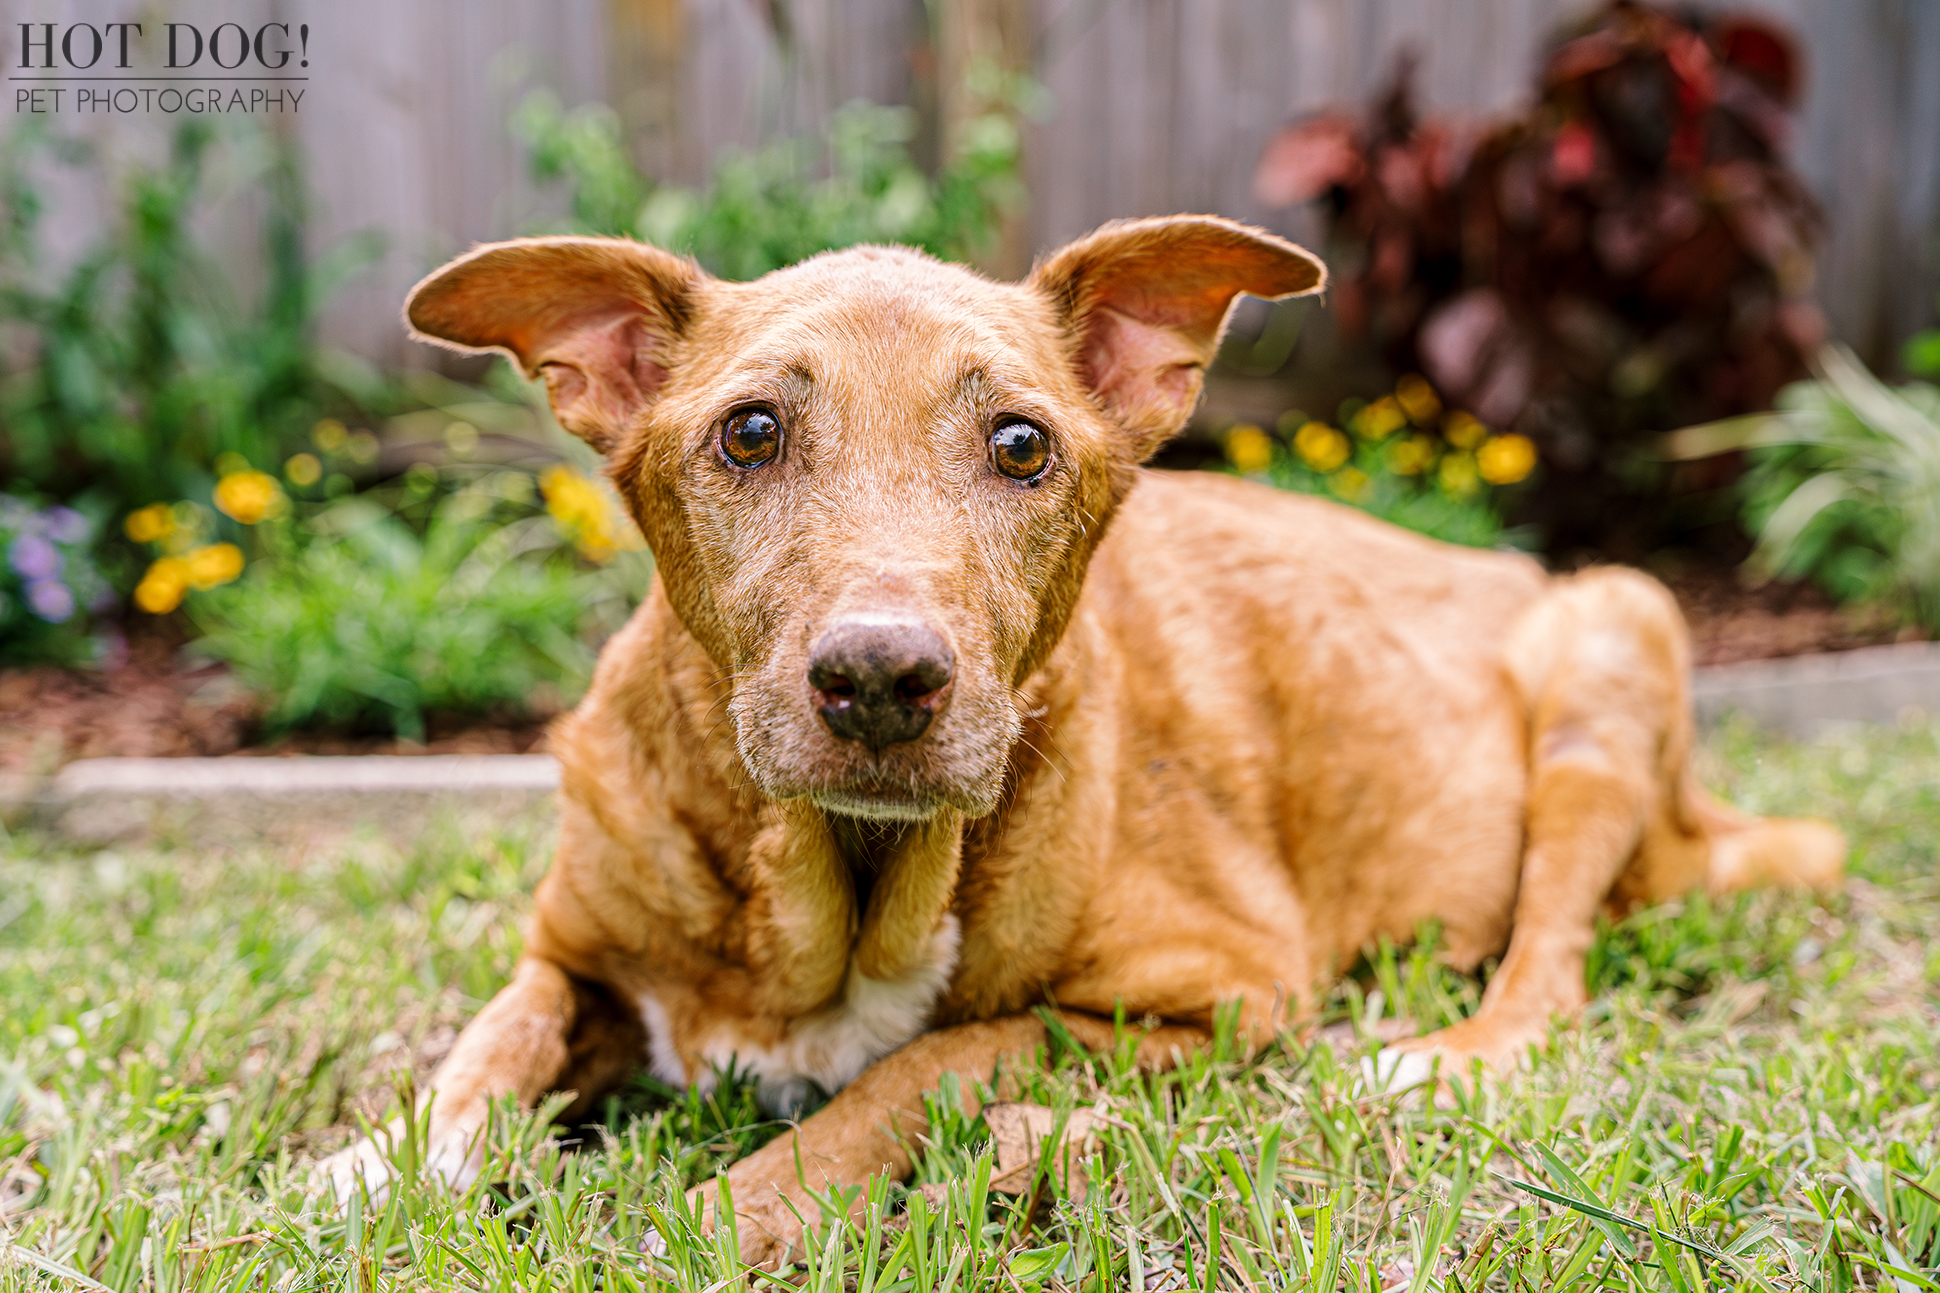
x: 160, y: 703
x: 1733, y: 621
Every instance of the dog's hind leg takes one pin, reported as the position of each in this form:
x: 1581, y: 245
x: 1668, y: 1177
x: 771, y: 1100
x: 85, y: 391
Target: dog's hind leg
x: 1603, y: 664
x: 1748, y: 851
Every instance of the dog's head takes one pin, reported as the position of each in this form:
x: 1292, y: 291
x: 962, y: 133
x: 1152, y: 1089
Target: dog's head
x: 872, y: 482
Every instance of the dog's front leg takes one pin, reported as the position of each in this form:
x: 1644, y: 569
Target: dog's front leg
x: 868, y: 1127
x: 518, y: 1045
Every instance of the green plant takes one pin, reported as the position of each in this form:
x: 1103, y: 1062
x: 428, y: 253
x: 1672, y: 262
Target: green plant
x: 793, y: 198
x: 48, y: 585
x: 1843, y: 485
x: 1402, y: 459
x: 1921, y: 354
x: 144, y: 363
x: 373, y: 610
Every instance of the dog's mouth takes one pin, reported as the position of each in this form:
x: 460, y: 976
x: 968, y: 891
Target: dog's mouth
x: 872, y: 804
x: 906, y: 782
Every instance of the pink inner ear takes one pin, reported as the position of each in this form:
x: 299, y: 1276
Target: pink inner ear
x: 1131, y: 365
x: 601, y: 375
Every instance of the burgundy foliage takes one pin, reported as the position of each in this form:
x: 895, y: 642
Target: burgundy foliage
x: 1630, y: 255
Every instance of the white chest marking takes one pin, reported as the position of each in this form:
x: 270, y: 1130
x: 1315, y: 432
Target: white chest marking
x: 829, y: 1048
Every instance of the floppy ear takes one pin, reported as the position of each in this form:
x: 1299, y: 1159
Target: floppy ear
x: 596, y: 317
x: 1144, y: 302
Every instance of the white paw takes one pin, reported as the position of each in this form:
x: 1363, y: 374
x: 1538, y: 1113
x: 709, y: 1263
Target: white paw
x: 362, y: 1165
x: 454, y: 1157
x: 1393, y: 1069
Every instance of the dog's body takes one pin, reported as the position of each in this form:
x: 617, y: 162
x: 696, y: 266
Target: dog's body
x: 1194, y: 743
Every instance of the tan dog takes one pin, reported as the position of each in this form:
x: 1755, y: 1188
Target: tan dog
x: 943, y: 708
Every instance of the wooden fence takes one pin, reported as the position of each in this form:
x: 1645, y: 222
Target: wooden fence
x: 1157, y: 106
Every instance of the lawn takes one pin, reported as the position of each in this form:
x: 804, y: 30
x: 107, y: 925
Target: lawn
x: 1749, y: 1103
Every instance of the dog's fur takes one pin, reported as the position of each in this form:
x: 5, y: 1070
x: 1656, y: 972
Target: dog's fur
x: 1204, y: 741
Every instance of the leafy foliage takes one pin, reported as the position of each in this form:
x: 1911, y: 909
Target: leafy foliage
x: 50, y: 589
x: 1631, y: 253
x: 1921, y: 354
x: 793, y: 198
x: 372, y: 610
x: 141, y: 365
x: 1844, y: 484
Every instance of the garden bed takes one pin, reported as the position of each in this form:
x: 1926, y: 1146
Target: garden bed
x: 159, y: 705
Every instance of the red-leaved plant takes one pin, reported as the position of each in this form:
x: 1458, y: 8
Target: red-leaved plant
x: 1629, y: 255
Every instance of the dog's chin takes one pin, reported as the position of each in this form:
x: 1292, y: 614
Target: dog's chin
x: 876, y: 807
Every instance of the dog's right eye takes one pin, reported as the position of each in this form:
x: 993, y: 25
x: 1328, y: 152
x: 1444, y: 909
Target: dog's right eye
x: 751, y: 437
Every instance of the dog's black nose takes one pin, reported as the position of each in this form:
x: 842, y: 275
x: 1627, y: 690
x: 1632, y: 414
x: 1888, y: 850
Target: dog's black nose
x: 880, y: 683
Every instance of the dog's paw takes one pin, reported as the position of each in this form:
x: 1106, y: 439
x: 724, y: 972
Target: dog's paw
x: 453, y: 1156
x: 1394, y: 1069
x: 766, y: 1229
x: 362, y: 1165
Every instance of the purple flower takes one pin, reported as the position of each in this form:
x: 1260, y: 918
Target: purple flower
x: 65, y: 525
x: 35, y: 558
x: 50, y: 599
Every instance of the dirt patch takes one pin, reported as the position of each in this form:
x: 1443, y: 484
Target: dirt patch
x: 1733, y: 621
x: 159, y: 705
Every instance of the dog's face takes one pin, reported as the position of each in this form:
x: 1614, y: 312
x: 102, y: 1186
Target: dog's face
x: 872, y: 482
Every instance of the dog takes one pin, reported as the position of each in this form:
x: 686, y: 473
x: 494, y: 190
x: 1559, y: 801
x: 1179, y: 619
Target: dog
x: 944, y: 709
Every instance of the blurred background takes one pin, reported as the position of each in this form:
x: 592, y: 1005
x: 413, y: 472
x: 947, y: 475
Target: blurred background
x: 1611, y: 282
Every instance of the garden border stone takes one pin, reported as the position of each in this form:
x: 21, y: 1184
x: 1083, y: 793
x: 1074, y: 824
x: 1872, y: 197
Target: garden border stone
x: 241, y: 800
x: 238, y: 800
x: 1804, y: 695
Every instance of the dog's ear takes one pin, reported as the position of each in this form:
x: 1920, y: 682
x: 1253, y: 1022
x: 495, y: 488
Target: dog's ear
x: 1144, y: 301
x: 596, y: 317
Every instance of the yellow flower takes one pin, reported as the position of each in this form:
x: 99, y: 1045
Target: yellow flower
x: 1411, y: 455
x: 1417, y: 399
x: 1505, y: 459
x: 328, y: 435
x: 1321, y: 447
x: 150, y: 524
x: 1380, y: 419
x: 304, y: 470
x: 1462, y: 430
x: 162, y: 587
x: 217, y: 563
x: 1350, y: 483
x: 1457, y: 474
x: 1248, y: 448
x: 249, y: 496
x: 587, y: 514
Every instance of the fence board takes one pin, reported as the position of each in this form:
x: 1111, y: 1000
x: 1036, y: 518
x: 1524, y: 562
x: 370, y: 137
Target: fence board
x: 1161, y: 105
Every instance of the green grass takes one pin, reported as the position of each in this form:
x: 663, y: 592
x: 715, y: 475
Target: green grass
x: 1750, y: 1103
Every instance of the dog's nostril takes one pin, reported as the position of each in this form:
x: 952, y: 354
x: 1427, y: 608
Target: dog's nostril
x: 880, y: 683
x: 914, y: 687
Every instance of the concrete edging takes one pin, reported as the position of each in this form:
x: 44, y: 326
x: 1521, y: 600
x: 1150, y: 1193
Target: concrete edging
x: 240, y: 799
x: 222, y: 800
x: 1803, y: 695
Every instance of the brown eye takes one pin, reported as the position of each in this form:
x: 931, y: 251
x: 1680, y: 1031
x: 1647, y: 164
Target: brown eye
x: 751, y: 437
x: 1021, y: 450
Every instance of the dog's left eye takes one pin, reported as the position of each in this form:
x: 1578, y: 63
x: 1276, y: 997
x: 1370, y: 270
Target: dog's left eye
x: 751, y: 437
x: 1020, y: 450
